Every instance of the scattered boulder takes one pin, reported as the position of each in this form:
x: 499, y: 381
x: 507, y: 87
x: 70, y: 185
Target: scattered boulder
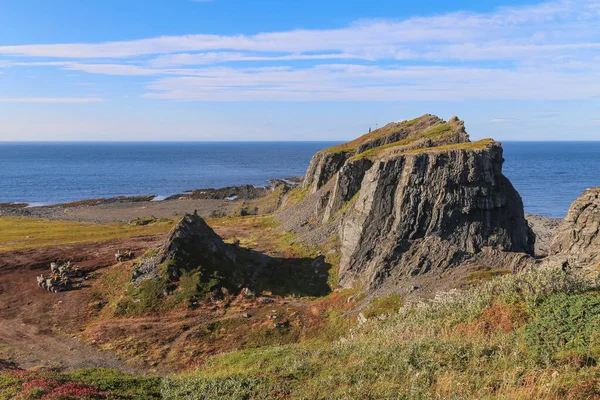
x: 266, y: 300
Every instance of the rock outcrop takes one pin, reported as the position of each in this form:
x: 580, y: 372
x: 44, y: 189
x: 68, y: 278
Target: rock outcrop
x: 577, y: 242
x: 243, y: 192
x: 192, y: 246
x: 414, y: 198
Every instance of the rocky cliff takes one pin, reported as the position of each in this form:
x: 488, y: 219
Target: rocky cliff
x: 431, y: 209
x: 413, y: 198
x: 577, y: 241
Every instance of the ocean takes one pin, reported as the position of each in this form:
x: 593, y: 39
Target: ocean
x: 548, y: 175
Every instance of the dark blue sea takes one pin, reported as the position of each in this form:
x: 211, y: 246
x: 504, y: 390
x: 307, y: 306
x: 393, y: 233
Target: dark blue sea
x: 549, y: 175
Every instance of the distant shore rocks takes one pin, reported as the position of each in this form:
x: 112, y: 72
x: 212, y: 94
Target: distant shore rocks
x: 243, y: 192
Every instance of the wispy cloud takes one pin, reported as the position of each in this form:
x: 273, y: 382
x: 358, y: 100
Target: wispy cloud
x: 596, y: 121
x: 50, y: 99
x: 543, y: 51
x: 503, y: 120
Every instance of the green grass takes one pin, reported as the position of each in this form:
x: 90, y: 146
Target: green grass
x: 483, y: 344
x: 124, y: 385
x: 485, y: 275
x: 297, y: 194
x: 389, y: 304
x: 479, y: 145
x: 18, y: 233
x: 435, y: 133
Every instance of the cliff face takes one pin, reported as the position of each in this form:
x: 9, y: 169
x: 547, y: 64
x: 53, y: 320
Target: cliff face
x: 577, y: 242
x: 428, y: 210
x: 413, y: 198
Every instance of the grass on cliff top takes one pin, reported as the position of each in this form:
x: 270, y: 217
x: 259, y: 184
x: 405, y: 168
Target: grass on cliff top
x: 18, y: 233
x: 436, y: 133
x: 376, y: 134
x: 478, y: 145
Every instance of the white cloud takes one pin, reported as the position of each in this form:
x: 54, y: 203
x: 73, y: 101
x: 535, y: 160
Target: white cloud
x: 596, y: 121
x: 544, y: 51
x: 358, y: 82
x: 531, y: 28
x: 50, y: 100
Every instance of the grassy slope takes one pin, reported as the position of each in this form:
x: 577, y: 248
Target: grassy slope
x: 18, y: 233
x: 535, y: 335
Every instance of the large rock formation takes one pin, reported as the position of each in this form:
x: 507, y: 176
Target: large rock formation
x: 413, y: 198
x: 431, y: 209
x: 577, y: 242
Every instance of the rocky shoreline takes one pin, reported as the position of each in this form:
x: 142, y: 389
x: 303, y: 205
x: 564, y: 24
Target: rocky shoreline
x: 210, y: 202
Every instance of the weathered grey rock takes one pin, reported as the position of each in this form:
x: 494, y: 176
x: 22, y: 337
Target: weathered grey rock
x: 577, y: 242
x: 430, y: 210
x: 410, y: 203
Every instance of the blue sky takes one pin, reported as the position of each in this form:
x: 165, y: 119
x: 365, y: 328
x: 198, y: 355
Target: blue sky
x: 296, y: 70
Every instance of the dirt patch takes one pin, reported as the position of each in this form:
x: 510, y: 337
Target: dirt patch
x: 40, y: 328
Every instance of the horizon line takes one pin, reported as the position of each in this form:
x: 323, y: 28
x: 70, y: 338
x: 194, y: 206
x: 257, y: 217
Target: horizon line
x: 249, y: 141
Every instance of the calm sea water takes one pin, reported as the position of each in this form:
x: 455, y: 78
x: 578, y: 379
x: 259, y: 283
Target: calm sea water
x: 549, y: 176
